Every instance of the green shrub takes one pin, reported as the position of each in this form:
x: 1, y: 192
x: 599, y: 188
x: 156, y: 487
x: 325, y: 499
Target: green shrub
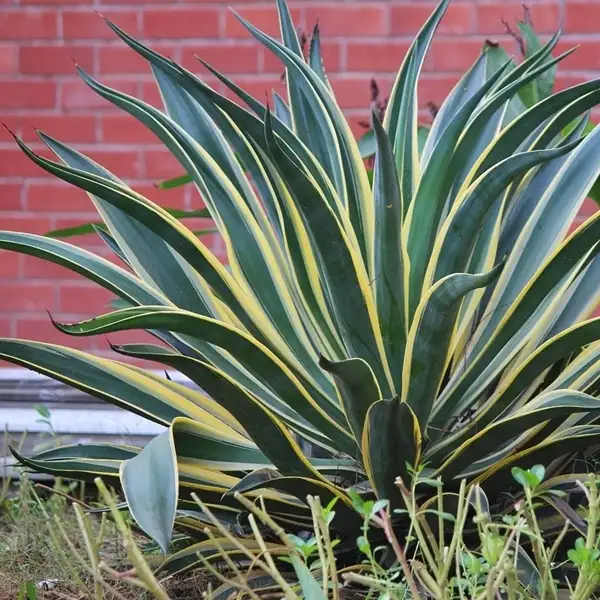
x: 438, y: 317
x: 483, y: 556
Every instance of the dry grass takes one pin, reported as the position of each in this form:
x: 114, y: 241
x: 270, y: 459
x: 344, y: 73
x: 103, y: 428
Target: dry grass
x: 29, y: 553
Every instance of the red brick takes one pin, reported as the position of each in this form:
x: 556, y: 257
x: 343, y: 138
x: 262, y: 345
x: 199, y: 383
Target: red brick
x: 40, y: 328
x: 57, y: 197
x: 10, y: 193
x: 10, y: 264
x: 83, y: 298
x: 581, y: 17
x: 10, y: 126
x: 356, y: 19
x: 28, y: 24
x: 36, y: 268
x: 123, y: 60
x: 161, y: 164
x: 585, y: 58
x: 27, y: 297
x: 226, y: 3
x: 77, y: 95
x: 227, y: 58
x: 545, y: 15
x: 125, y: 129
x: 331, y: 53
x: 353, y: 91
x: 14, y: 163
x: 567, y: 80
x: 136, y: 2
x: 57, y: 2
x: 445, y: 57
x: 27, y: 94
x: 5, y: 331
x: 435, y: 89
x: 173, y: 198
x: 260, y: 87
x: 86, y: 24
x: 181, y: 23
x: 408, y: 18
x: 123, y: 163
x: 202, y: 225
x: 150, y: 94
x: 9, y: 58
x: 376, y: 57
x: 590, y: 207
x: 262, y: 17
x: 356, y: 119
x: 66, y: 128
x: 54, y: 60
x: 25, y: 224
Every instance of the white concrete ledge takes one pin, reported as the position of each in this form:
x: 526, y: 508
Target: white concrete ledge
x: 78, y: 421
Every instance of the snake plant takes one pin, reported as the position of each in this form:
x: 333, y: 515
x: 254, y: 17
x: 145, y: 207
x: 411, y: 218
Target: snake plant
x: 438, y: 317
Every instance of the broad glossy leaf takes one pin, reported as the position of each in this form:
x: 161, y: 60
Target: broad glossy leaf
x: 94, y: 268
x: 429, y: 202
x: 251, y: 252
x: 390, y: 424
x: 401, y: 120
x: 342, y: 268
x: 358, y: 389
x: 282, y: 110
x: 150, y: 482
x: 545, y: 82
x: 563, y: 260
x: 473, y: 81
x: 429, y: 339
x: 558, y: 205
x: 458, y: 234
x: 301, y: 487
x: 552, y: 405
x: 341, y: 152
x: 391, y: 260
x: 187, y: 559
x: 262, y: 363
x: 105, y: 379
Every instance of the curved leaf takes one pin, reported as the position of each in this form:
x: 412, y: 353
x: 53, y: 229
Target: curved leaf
x: 150, y: 482
x: 390, y: 424
x: 429, y: 339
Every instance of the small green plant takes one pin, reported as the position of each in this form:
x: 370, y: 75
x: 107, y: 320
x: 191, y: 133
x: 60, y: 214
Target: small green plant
x: 27, y: 591
x: 454, y: 549
x: 486, y: 555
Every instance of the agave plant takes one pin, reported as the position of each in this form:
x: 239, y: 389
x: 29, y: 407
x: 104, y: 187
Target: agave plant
x: 437, y: 317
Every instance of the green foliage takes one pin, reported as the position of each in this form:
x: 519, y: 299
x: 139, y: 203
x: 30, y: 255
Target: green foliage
x: 438, y: 316
x: 484, y: 555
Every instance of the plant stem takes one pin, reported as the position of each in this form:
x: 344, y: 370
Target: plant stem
x: 399, y: 552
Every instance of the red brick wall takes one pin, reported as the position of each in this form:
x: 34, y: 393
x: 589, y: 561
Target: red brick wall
x: 39, y: 39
